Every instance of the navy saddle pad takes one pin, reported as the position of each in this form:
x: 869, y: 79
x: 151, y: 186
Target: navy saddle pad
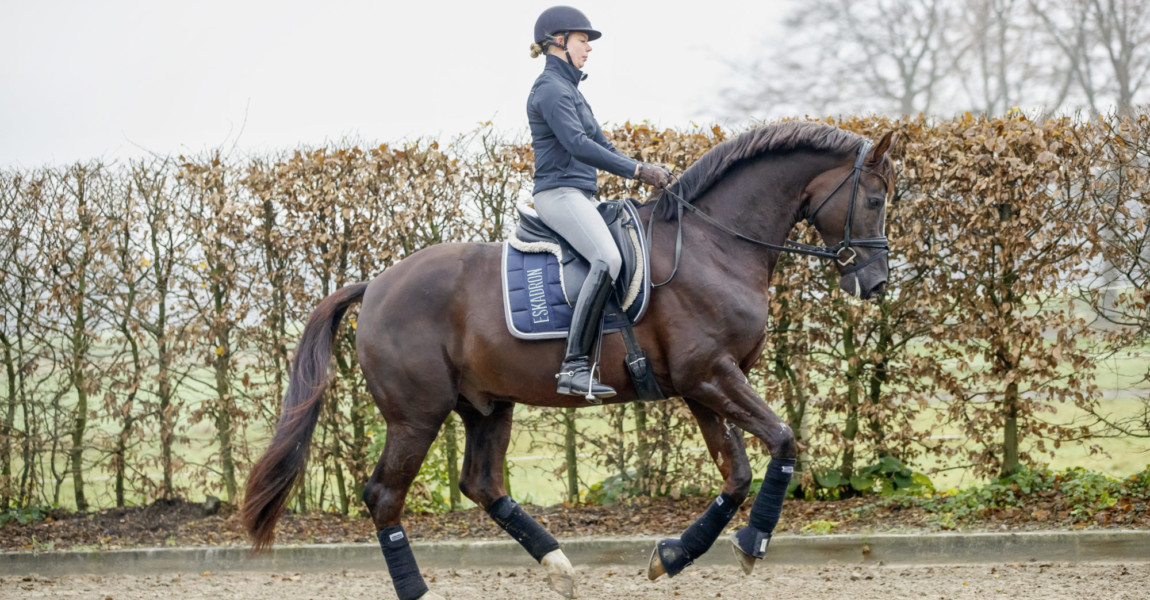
x: 542, y: 275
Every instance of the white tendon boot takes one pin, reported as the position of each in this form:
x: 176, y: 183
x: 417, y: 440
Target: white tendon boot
x: 560, y: 573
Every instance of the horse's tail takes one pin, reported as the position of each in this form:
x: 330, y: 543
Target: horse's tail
x: 276, y: 474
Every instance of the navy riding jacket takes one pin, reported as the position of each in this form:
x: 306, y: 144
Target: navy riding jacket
x: 569, y: 144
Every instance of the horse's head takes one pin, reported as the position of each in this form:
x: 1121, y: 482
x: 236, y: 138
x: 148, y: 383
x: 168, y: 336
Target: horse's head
x: 847, y: 205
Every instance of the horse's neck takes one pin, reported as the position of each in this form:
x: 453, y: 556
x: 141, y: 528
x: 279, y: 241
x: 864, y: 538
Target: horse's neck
x: 722, y: 285
x: 761, y: 201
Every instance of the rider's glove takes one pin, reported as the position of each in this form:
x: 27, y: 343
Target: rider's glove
x: 658, y: 176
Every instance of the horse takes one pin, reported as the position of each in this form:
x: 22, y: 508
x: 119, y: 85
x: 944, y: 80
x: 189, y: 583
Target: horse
x: 431, y: 339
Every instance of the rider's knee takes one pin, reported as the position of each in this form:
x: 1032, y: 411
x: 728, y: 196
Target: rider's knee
x: 614, y: 263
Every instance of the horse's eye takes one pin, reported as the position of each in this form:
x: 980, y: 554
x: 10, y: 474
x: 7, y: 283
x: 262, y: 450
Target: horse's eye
x: 874, y: 202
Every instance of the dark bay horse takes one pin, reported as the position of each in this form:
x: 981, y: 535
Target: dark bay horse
x: 432, y: 339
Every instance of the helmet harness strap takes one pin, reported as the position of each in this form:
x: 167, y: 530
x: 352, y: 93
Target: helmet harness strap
x: 563, y: 46
x: 566, y: 40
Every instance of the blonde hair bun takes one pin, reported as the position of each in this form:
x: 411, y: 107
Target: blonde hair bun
x: 536, y: 50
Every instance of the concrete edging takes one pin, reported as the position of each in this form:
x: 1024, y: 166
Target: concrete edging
x: 936, y: 548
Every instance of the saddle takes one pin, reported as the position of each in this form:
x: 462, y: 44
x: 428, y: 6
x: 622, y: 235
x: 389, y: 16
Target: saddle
x: 622, y: 221
x: 542, y: 274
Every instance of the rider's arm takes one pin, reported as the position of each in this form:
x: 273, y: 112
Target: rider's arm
x: 602, y: 140
x: 563, y: 119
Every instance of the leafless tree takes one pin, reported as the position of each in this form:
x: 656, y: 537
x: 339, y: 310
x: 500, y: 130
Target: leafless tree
x: 902, y: 57
x: 1066, y: 26
x: 996, y: 64
x: 163, y: 248
x: 1123, y: 31
x: 846, y: 56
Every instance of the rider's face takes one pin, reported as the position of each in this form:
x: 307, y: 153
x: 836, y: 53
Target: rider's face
x: 578, y: 47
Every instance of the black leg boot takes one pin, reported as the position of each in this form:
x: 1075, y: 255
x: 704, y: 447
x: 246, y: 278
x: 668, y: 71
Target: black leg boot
x: 575, y: 376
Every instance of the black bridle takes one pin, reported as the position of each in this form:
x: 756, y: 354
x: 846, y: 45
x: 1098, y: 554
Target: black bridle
x: 837, y: 252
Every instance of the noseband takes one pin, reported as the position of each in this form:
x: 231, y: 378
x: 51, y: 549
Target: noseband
x: 843, y: 253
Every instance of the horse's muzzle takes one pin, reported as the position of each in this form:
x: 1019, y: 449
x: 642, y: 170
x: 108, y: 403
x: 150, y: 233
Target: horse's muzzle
x: 865, y: 284
x: 876, y: 292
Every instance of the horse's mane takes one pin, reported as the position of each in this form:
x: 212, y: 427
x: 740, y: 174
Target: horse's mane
x: 776, y: 138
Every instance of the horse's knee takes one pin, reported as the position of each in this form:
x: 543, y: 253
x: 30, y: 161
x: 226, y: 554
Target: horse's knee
x: 381, y: 504
x: 467, y: 488
x: 479, y: 488
x: 739, y: 481
x: 374, y: 493
x: 781, y: 442
x: 371, y: 493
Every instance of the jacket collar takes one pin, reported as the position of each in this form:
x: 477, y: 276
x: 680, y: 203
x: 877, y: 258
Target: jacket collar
x: 565, y: 69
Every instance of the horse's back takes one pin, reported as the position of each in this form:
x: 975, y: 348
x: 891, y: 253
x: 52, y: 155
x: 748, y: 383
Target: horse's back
x: 435, y: 322
x: 420, y: 294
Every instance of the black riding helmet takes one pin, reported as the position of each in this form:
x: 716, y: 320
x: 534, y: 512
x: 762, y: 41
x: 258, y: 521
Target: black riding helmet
x: 565, y: 20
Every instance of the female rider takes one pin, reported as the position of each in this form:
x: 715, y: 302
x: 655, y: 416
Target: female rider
x: 569, y: 147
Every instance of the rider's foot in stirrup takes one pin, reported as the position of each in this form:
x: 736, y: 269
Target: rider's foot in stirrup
x: 575, y: 379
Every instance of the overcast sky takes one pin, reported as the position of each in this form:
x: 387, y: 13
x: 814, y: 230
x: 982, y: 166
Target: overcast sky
x: 118, y: 78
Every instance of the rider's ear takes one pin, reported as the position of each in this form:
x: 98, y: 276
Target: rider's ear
x: 880, y: 149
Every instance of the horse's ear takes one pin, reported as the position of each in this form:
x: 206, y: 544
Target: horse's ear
x: 880, y: 149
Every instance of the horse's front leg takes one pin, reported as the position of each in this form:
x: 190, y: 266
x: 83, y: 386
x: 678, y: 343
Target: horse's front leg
x: 725, y: 443
x: 729, y: 394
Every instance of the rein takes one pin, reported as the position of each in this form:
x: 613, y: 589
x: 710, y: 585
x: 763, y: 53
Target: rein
x: 835, y: 252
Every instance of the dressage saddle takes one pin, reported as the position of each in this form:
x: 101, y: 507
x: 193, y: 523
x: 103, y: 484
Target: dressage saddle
x: 623, y: 225
x: 632, y: 287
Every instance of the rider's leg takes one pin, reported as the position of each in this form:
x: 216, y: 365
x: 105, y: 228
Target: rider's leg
x: 571, y: 213
x: 575, y: 376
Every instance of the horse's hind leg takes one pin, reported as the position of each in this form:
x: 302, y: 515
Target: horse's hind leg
x: 404, y: 449
x: 482, y: 481
x: 725, y: 443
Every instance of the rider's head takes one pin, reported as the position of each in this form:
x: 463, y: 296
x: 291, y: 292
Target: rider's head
x: 565, y: 32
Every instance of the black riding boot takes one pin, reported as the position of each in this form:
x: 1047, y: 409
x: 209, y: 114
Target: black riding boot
x: 575, y: 376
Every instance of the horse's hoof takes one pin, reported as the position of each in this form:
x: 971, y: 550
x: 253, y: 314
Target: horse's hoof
x: 655, y: 568
x: 560, y: 573
x: 431, y: 596
x: 746, y: 561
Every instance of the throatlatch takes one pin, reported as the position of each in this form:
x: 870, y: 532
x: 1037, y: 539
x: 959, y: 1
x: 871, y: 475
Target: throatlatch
x: 409, y: 584
x: 519, y: 525
x: 755, y: 537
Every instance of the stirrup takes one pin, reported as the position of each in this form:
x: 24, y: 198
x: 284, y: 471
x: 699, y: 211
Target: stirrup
x: 576, y: 378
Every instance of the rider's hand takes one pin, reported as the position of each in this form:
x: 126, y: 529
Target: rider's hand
x: 658, y: 176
